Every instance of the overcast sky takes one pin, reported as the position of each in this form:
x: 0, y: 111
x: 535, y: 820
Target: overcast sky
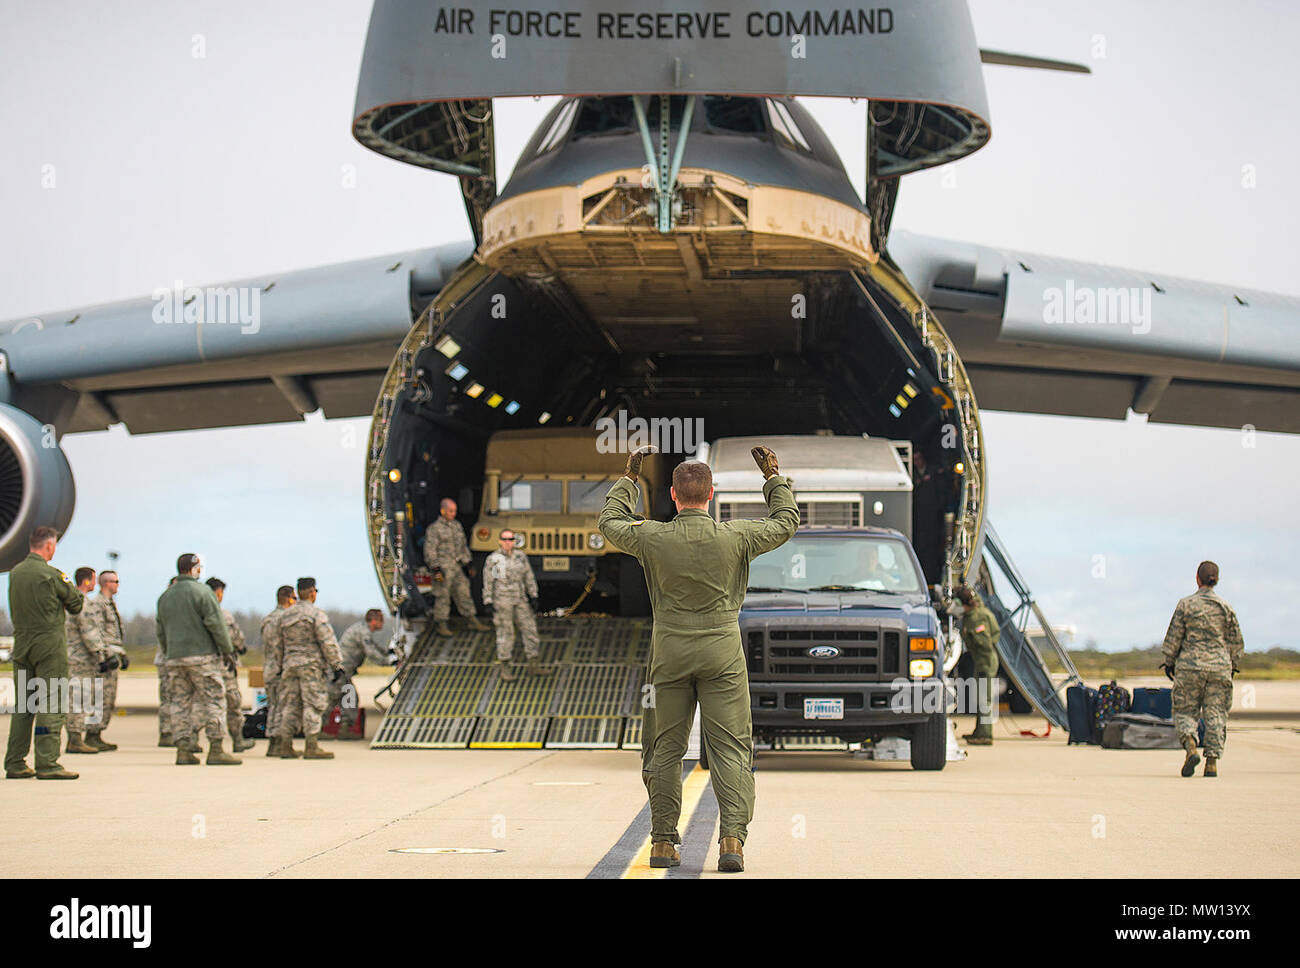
x: 170, y: 166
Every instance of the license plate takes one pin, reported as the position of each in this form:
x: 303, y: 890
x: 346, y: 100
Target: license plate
x: 555, y: 564
x: 823, y: 709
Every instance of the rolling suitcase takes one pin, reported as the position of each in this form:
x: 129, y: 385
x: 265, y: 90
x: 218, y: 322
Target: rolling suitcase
x: 1080, y: 707
x: 1153, y: 702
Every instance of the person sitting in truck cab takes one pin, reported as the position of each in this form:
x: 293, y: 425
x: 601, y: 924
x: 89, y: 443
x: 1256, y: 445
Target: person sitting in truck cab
x: 872, y: 573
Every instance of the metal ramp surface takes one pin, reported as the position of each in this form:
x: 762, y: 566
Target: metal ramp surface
x: 1022, y: 661
x: 449, y: 695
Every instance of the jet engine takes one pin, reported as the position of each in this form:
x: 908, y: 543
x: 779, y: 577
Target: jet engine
x: 36, y: 486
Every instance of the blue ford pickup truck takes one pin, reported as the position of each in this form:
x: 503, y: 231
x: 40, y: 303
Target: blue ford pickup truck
x: 840, y: 637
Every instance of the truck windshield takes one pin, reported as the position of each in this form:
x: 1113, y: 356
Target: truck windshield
x: 837, y: 562
x: 526, y: 495
x: 588, y: 497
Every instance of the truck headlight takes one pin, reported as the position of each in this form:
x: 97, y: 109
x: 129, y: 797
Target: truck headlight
x: 521, y: 540
x: 595, y: 541
x: 922, y: 645
x: 921, y: 668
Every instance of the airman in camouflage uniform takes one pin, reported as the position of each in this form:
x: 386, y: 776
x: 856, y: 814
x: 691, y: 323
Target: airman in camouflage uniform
x: 355, y: 646
x: 445, y: 551
x: 230, y: 673
x: 86, y: 657
x: 271, y: 662
x: 979, y: 633
x: 103, y: 614
x: 510, y: 588
x: 308, y: 654
x: 193, y: 636
x: 697, y: 570
x: 1201, y: 651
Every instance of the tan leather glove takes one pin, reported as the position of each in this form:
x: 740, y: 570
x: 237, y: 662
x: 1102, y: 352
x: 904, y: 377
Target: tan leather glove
x: 635, y: 458
x: 766, y: 461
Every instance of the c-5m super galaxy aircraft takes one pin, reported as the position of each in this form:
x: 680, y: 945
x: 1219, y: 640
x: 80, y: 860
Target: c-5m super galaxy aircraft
x: 679, y: 238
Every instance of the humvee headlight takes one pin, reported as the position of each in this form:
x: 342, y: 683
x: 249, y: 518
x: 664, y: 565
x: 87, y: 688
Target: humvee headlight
x: 921, y: 668
x: 520, y: 539
x: 922, y: 645
x: 595, y: 541
x: 482, y: 534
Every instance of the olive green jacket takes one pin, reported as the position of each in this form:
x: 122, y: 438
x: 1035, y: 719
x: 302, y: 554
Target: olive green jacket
x: 40, y: 597
x: 190, y: 621
x: 696, y: 568
x: 979, y: 629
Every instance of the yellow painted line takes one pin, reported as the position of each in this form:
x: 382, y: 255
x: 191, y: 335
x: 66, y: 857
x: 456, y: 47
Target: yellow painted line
x: 505, y: 746
x: 692, y: 789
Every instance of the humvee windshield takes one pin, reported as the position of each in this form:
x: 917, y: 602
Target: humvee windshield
x: 531, y: 495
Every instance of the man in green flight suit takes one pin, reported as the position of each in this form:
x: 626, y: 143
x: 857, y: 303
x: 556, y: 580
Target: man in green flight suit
x: 979, y: 633
x: 40, y: 598
x: 696, y: 570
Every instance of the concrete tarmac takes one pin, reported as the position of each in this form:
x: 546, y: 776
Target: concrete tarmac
x: 1025, y: 807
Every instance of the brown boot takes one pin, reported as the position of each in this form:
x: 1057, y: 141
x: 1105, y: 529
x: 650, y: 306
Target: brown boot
x: 1211, y: 766
x: 503, y: 672
x: 1193, y: 758
x: 240, y: 745
x: 535, y: 668
x: 664, y: 854
x: 313, y: 751
x: 165, y: 739
x: 185, y: 756
x: 731, y: 855
x: 75, y: 744
x: 58, y: 773
x: 273, y: 746
x: 26, y: 773
x: 97, y: 741
x: 287, y: 752
x: 219, y: 757
x: 442, y: 628
x: 477, y: 625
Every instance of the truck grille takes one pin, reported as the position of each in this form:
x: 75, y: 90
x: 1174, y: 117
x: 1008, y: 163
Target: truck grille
x: 840, y: 514
x: 545, y: 541
x: 869, y: 652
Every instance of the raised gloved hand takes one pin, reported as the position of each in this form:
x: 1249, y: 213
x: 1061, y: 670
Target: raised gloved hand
x: 766, y: 460
x: 1168, y: 669
x: 339, y: 676
x: 635, y: 458
x: 124, y: 662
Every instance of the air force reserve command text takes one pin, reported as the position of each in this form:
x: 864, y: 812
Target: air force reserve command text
x: 666, y: 25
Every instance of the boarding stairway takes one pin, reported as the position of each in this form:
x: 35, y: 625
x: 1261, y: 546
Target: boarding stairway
x: 1021, y: 659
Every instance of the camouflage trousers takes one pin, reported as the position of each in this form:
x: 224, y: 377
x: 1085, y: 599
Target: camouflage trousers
x: 344, y: 695
x: 454, y: 584
x: 83, y: 712
x: 198, y: 698
x: 110, y: 700
x: 165, y: 704
x: 304, y: 698
x: 234, y: 702
x: 274, y: 708
x: 506, y: 618
x: 1203, y: 695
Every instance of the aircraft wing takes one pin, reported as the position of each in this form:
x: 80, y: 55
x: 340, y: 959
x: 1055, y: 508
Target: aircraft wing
x: 253, y: 351
x: 1040, y: 334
